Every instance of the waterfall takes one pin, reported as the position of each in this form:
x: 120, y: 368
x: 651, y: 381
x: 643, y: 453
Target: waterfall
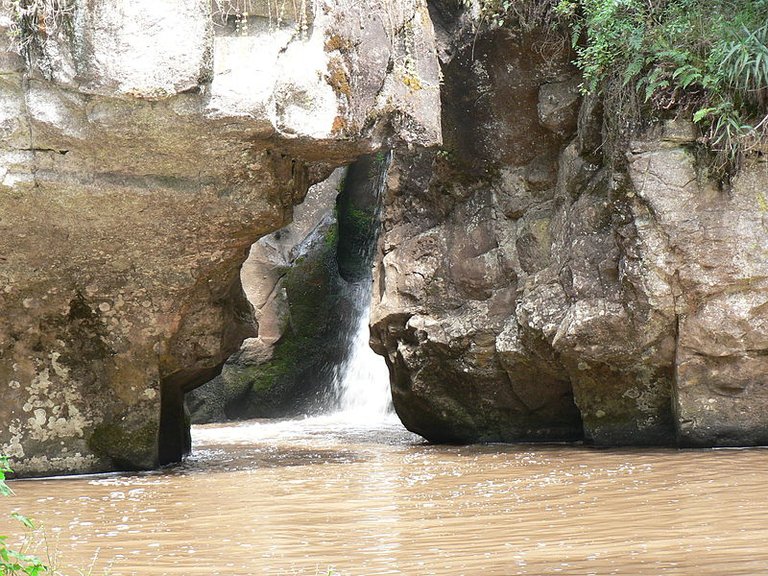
x: 361, y: 382
x: 311, y: 285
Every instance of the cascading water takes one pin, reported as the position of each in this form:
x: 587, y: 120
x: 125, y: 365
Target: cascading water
x: 361, y: 381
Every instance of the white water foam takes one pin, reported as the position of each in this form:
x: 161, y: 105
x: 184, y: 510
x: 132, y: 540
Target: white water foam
x: 362, y: 381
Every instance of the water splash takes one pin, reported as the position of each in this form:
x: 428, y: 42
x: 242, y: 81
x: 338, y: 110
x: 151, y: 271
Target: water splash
x: 362, y: 381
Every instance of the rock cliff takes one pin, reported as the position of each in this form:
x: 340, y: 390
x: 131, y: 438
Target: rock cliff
x: 528, y: 285
x: 145, y: 146
x: 527, y: 289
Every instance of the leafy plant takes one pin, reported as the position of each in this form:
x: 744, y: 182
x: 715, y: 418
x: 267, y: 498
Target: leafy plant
x: 651, y: 59
x: 4, y: 469
x: 17, y: 562
x: 704, y: 61
x: 744, y: 65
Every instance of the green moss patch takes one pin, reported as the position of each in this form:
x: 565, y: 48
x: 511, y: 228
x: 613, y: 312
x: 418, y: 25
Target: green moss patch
x: 129, y: 449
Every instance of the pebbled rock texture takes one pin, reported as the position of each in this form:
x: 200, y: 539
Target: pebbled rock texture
x: 145, y: 146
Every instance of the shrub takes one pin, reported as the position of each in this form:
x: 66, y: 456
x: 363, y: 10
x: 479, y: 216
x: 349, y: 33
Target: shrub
x: 706, y: 61
x: 651, y: 59
x: 17, y: 562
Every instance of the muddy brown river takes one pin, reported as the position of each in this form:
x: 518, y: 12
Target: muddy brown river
x: 321, y: 496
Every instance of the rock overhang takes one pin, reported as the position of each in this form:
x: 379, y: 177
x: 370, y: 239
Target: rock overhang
x: 136, y: 173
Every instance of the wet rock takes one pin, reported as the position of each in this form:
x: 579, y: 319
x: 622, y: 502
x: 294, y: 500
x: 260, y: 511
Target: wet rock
x: 297, y: 250
x: 292, y: 281
x: 303, y: 282
x: 357, y: 209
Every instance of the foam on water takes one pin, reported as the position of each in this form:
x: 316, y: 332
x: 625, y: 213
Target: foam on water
x: 362, y: 382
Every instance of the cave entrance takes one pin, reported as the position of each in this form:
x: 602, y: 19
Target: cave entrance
x: 309, y: 285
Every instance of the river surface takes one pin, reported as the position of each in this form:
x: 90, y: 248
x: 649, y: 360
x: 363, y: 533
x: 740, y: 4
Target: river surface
x: 325, y: 495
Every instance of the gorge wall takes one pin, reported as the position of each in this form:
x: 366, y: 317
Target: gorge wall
x: 527, y: 289
x: 145, y: 146
x: 305, y: 282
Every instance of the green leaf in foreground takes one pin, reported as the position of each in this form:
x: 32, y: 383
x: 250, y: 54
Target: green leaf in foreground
x: 24, y: 520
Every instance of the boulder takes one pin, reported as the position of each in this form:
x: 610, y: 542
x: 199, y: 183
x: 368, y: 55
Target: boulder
x: 466, y: 230
x: 527, y: 289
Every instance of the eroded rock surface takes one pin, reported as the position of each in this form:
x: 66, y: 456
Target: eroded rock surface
x: 145, y: 147
x: 465, y: 229
x: 705, y: 264
x: 292, y: 281
x: 304, y: 282
x: 525, y: 291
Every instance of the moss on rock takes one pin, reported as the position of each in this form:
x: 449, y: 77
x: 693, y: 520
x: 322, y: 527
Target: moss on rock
x: 128, y: 448
x: 357, y: 207
x: 299, y: 368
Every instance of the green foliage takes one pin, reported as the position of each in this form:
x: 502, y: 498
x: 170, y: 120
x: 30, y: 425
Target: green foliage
x: 17, y: 562
x: 651, y: 59
x: 4, y: 469
x: 707, y: 61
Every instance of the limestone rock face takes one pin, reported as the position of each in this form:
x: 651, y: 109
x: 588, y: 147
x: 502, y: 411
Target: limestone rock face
x: 525, y: 291
x: 145, y: 146
x: 707, y: 250
x: 465, y: 229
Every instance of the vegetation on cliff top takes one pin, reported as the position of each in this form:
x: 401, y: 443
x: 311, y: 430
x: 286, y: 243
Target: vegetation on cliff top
x: 34, y: 21
x: 646, y: 59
